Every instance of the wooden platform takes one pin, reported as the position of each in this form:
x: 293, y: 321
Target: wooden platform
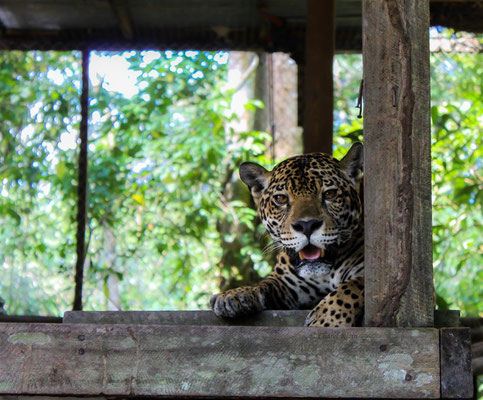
x: 177, y: 355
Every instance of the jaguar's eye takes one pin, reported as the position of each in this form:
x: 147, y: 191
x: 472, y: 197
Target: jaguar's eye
x: 280, y: 199
x: 330, y: 194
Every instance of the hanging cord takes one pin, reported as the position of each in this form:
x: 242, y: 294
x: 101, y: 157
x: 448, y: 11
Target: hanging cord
x: 82, y: 185
x: 359, y: 99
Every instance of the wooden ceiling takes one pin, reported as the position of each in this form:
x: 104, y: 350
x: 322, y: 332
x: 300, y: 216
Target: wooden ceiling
x: 262, y: 25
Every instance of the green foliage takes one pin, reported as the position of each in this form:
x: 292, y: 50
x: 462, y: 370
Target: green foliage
x: 456, y: 115
x: 158, y: 162
x: 347, y: 79
x: 164, y: 199
x: 39, y: 93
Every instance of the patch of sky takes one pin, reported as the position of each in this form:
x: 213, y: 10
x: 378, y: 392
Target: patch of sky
x: 4, y: 191
x: 114, y: 73
x: 27, y: 133
x: 198, y: 75
x: 143, y: 165
x: 55, y: 76
x: 150, y: 56
x: 176, y: 61
x: 143, y: 85
x: 68, y: 139
x: 43, y: 189
x: 34, y: 110
x: 191, y: 53
x: 153, y: 74
x: 49, y: 149
x: 221, y: 57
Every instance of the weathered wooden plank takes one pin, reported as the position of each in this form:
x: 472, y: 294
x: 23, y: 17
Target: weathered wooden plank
x: 443, y: 318
x: 30, y: 318
x: 456, y: 375
x: 319, y: 92
x: 397, y: 172
x: 447, y: 318
x: 15, y: 397
x: 239, y: 362
x: 205, y: 317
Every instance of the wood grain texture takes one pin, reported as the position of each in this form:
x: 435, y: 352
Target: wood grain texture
x: 456, y: 375
x: 319, y: 92
x: 238, y: 362
x: 397, y: 170
x: 205, y: 317
x: 442, y: 318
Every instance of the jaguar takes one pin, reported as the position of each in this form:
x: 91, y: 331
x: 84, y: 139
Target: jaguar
x: 311, y: 206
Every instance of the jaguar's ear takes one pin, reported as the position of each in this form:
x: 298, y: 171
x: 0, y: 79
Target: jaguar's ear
x: 352, y: 163
x: 255, y: 177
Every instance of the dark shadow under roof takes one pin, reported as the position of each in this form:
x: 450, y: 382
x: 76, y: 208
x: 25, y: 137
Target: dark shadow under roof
x: 269, y: 25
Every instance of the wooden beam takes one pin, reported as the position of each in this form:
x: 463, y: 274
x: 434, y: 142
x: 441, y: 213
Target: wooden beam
x: 82, y: 186
x: 124, y: 19
x: 319, y: 92
x: 30, y: 319
x: 443, y: 318
x: 210, y: 361
x: 456, y: 374
x: 199, y: 318
x: 397, y: 171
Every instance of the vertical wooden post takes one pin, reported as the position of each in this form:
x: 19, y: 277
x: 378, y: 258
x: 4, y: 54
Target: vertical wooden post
x: 397, y: 170
x: 319, y: 92
x: 82, y: 184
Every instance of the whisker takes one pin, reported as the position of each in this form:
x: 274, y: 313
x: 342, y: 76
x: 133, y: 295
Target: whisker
x: 271, y: 247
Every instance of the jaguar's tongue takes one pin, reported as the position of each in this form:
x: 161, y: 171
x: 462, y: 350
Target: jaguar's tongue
x: 310, y: 253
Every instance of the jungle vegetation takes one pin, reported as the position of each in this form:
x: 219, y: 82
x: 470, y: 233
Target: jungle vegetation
x: 160, y: 161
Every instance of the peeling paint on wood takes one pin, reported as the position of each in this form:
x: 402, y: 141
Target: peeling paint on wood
x: 31, y: 338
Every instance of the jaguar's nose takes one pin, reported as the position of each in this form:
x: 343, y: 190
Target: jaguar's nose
x: 307, y: 227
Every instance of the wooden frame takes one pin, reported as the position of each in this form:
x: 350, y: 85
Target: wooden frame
x: 397, y: 164
x: 215, y: 361
x: 193, y: 354
x: 165, y: 360
x: 318, y: 84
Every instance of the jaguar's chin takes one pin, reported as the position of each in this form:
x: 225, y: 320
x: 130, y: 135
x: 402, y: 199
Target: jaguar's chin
x: 312, y: 269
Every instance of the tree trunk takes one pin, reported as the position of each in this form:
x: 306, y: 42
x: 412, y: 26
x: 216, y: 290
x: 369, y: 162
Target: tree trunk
x: 113, y: 299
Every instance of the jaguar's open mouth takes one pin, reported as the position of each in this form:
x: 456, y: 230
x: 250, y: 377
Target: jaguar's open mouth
x: 310, y: 253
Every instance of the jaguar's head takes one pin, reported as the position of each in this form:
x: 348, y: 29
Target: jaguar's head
x: 310, y: 203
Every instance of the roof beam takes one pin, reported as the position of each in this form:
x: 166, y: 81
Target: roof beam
x: 123, y: 17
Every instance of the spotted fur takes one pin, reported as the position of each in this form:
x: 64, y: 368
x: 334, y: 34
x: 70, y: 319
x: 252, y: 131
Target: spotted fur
x: 308, y: 203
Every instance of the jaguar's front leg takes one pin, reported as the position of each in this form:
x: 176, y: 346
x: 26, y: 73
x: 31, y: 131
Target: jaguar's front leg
x: 344, y: 307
